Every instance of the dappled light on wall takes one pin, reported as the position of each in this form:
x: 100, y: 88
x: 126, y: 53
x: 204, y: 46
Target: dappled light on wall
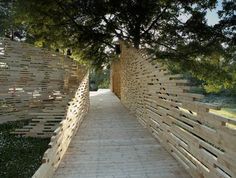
x: 35, y: 80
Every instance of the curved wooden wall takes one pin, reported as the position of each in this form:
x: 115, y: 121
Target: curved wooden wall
x: 204, y: 143
x: 36, y: 84
x: 60, y: 141
x: 48, y: 88
x: 115, y: 78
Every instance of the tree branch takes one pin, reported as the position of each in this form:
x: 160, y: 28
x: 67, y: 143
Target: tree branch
x: 68, y: 15
x: 154, y: 22
x: 114, y: 27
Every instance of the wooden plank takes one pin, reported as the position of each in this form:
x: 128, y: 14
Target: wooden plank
x: 204, y: 143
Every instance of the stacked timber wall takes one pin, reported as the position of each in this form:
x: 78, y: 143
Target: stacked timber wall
x: 36, y: 84
x: 115, y: 78
x: 60, y: 141
x: 48, y: 88
x: 204, y: 143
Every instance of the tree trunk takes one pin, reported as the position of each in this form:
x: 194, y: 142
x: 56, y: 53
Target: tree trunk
x: 136, y: 41
x: 137, y: 29
x: 12, y: 34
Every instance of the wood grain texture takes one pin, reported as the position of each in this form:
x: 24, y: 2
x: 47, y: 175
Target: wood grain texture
x: 36, y: 84
x: 50, y: 89
x: 115, y: 78
x: 203, y: 142
x: 111, y: 143
x: 76, y: 112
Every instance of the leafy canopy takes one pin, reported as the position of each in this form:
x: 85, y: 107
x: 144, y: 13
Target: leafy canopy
x: 5, y: 16
x: 175, y: 31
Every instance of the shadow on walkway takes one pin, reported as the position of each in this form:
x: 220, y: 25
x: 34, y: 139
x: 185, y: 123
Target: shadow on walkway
x: 111, y: 143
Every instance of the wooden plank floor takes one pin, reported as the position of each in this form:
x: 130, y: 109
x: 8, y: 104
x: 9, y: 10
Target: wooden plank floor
x: 112, y: 144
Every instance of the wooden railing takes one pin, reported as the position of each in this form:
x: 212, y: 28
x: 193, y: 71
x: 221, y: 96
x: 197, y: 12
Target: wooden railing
x: 76, y: 112
x: 204, y: 143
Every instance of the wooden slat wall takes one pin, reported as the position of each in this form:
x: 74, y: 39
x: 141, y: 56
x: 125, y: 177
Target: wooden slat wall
x: 36, y: 84
x: 115, y: 78
x: 204, y: 143
x: 60, y: 141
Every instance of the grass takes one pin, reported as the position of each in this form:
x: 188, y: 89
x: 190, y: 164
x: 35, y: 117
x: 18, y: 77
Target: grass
x: 228, y: 112
x: 228, y: 104
x: 20, y: 157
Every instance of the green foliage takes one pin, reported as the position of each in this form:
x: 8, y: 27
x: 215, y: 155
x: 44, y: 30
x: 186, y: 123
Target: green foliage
x: 90, y: 29
x: 91, y: 26
x: 19, y: 156
x: 104, y: 84
x: 215, y: 74
x: 5, y: 16
x: 8, y: 26
x: 212, y: 87
x: 100, y: 78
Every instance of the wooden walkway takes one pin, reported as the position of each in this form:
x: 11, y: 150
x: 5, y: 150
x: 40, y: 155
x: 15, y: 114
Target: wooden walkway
x: 112, y: 144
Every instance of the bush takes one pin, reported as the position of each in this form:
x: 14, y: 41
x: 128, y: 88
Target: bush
x: 99, y: 79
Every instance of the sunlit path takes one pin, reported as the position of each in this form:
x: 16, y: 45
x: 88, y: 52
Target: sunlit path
x: 112, y: 143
